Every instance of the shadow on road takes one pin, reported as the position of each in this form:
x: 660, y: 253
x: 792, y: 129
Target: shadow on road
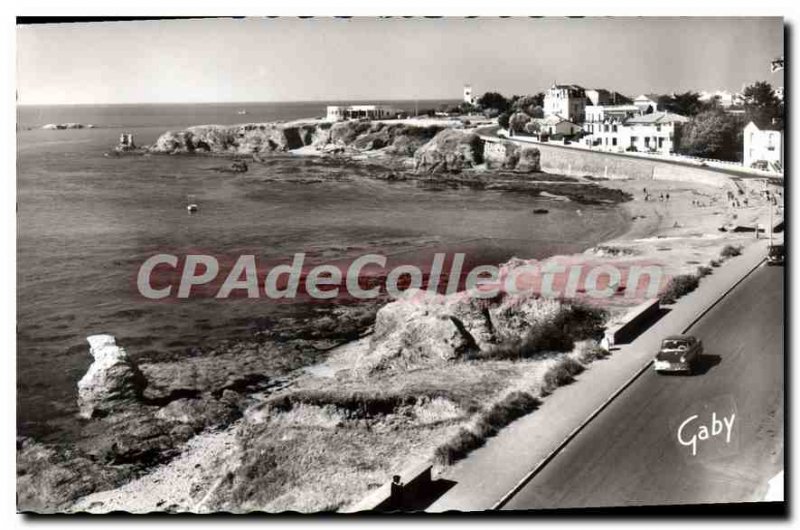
x: 705, y: 362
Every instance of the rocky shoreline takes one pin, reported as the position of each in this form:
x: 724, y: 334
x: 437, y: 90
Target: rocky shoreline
x: 419, y: 374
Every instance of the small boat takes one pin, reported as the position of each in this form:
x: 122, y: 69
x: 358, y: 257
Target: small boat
x: 191, y: 205
x: 541, y: 211
x: 241, y: 112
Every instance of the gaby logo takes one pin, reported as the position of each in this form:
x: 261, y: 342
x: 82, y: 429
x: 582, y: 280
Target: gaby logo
x: 372, y: 276
x: 691, y: 431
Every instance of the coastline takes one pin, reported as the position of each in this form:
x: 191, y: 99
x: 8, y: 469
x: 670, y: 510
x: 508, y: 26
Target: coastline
x: 644, y: 238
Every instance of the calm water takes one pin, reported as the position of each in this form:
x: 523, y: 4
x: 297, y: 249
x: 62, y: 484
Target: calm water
x: 86, y: 223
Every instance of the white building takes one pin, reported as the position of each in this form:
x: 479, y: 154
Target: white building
x: 565, y: 101
x: 763, y: 148
x: 647, y: 133
x: 354, y: 112
x: 553, y: 124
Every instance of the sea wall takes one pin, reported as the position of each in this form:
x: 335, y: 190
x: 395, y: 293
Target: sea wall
x: 578, y: 162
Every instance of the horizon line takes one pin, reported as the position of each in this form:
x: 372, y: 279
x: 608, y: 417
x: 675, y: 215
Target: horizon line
x: 232, y: 102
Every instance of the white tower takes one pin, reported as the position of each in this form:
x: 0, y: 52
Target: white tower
x: 468, y: 95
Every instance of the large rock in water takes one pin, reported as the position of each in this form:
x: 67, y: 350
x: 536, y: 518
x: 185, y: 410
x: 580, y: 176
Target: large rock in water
x: 451, y: 150
x: 113, y: 381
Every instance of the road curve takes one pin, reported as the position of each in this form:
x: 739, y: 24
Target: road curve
x: 630, y: 454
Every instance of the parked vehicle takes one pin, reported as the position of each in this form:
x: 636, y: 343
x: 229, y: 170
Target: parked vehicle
x: 678, y: 353
x: 775, y: 255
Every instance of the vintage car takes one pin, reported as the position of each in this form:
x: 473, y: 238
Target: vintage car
x: 775, y: 255
x: 678, y: 353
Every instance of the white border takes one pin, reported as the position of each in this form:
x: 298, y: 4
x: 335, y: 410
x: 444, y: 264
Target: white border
x: 317, y: 8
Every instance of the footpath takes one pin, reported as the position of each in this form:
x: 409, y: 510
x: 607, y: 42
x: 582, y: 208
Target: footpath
x: 490, y: 474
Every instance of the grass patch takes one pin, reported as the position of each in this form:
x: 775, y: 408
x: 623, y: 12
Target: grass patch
x: 677, y: 287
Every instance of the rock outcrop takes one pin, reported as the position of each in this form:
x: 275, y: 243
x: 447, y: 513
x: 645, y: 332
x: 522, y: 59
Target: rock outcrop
x: 61, y: 126
x: 112, y: 382
x: 511, y: 156
x: 529, y: 160
x: 423, y: 329
x: 450, y: 151
x: 262, y: 138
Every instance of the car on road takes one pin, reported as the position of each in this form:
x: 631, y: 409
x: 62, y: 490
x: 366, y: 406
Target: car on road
x: 775, y: 255
x: 678, y: 353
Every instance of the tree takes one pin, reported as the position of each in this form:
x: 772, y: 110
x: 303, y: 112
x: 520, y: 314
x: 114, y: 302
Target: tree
x: 686, y: 104
x: 712, y: 134
x: 762, y: 106
x: 517, y: 121
x: 503, y: 119
x: 493, y: 100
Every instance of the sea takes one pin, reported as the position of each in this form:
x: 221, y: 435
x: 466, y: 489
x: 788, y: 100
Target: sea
x: 86, y: 222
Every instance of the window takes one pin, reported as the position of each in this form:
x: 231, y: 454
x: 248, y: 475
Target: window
x: 614, y: 141
x: 613, y: 128
x: 660, y: 143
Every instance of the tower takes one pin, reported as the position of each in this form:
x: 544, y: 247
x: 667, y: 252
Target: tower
x: 468, y: 98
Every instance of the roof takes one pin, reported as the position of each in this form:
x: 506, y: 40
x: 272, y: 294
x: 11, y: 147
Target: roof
x: 657, y: 118
x: 766, y: 128
x: 553, y: 119
x: 570, y: 88
x: 651, y: 97
x: 678, y: 337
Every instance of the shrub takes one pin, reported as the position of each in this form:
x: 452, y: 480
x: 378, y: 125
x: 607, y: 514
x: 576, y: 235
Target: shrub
x: 715, y: 263
x: 560, y: 374
x: 572, y: 322
x: 590, y: 352
x: 458, y: 447
x: 513, y: 406
x: 678, y: 286
x: 731, y: 251
x: 703, y: 271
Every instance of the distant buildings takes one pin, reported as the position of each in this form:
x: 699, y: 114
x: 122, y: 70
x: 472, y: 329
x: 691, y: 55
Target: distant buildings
x: 725, y: 98
x: 763, y: 148
x: 565, y: 101
x: 354, y: 112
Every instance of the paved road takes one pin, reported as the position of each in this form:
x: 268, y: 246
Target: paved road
x: 630, y: 454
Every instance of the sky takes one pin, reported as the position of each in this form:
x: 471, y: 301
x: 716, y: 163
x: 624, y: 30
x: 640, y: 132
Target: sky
x: 289, y: 59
